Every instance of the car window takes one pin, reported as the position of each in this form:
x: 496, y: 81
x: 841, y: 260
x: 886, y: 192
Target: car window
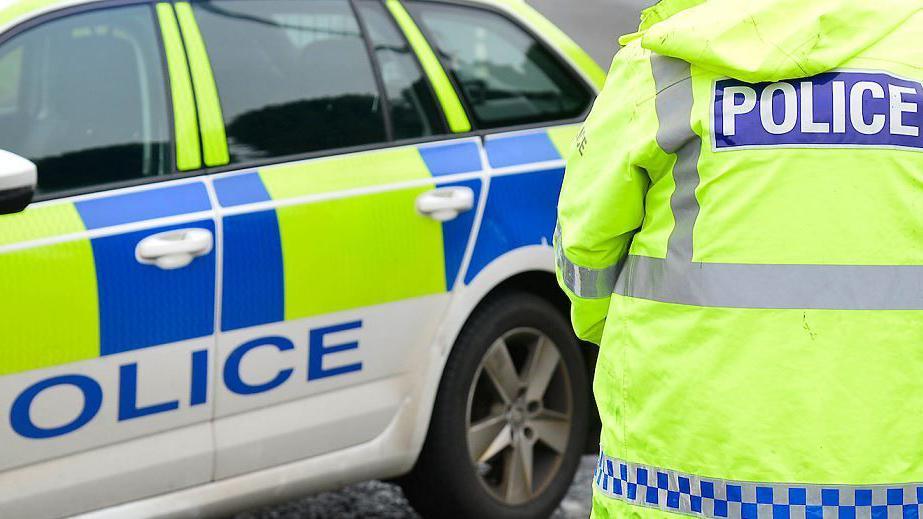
x: 413, y: 106
x: 10, y: 65
x: 506, y: 76
x: 293, y: 76
x: 84, y: 97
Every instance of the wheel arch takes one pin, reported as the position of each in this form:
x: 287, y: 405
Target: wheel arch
x: 544, y: 285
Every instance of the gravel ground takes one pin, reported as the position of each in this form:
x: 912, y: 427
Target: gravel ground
x: 378, y: 500
x: 595, y: 25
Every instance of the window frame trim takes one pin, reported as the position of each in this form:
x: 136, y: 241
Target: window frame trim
x: 44, y: 17
x: 187, y: 134
x: 376, y: 71
x: 576, y: 75
x: 454, y: 109
x: 212, y: 131
x: 443, y: 122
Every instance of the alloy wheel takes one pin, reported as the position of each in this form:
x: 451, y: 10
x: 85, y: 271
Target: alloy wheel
x: 519, y: 417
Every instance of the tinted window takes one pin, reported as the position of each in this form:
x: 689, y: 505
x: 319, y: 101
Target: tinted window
x: 413, y: 106
x: 84, y: 98
x: 506, y: 76
x: 293, y: 76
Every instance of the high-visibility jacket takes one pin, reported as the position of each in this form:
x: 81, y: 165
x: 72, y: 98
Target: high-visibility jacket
x: 741, y: 230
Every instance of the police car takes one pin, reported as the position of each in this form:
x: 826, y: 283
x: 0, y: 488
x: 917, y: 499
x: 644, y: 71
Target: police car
x: 252, y: 249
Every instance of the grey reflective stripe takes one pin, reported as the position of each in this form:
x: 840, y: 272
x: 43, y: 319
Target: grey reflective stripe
x: 832, y: 287
x: 681, y: 493
x: 584, y: 282
x: 673, y: 80
x: 677, y: 279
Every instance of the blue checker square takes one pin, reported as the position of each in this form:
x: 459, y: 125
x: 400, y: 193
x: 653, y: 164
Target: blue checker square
x: 919, y: 495
x: 721, y: 508
x: 830, y: 497
x: 617, y: 487
x: 814, y: 512
x: 642, y: 476
x: 673, y: 499
x: 781, y: 512
x: 695, y: 502
x: 895, y: 496
x: 610, y: 469
x: 847, y: 512
x: 623, y: 470
x: 684, y: 486
x: 911, y: 512
x: 632, y: 491
x: 605, y: 485
x: 797, y: 496
x: 663, y: 481
x: 652, y: 496
x: 764, y: 495
x: 879, y: 512
x: 708, y: 489
x: 749, y: 511
x: 735, y: 495
x: 863, y: 497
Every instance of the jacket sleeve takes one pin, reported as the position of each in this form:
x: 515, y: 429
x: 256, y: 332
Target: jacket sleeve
x: 602, y: 199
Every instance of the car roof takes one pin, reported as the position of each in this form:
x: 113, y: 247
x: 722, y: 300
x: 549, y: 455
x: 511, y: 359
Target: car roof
x: 13, y: 12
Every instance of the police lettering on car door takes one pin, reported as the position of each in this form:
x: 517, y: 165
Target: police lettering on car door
x: 322, y: 343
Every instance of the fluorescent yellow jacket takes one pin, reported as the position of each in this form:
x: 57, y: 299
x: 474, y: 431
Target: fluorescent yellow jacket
x: 741, y: 230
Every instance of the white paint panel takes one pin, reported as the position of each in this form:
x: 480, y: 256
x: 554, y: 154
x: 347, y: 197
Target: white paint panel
x: 306, y: 427
x: 128, y: 471
x: 303, y: 417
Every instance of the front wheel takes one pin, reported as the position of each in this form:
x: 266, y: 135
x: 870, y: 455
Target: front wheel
x: 510, y: 419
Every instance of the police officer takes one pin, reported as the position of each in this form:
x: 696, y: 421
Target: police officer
x: 741, y: 230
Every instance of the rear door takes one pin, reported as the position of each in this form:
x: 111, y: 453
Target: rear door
x: 528, y: 102
x: 108, y: 292
x: 345, y: 221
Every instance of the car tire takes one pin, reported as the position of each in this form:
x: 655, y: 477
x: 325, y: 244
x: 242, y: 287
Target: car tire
x: 486, y: 429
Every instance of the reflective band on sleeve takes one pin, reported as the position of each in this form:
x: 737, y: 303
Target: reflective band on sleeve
x: 584, y: 282
x: 677, y: 492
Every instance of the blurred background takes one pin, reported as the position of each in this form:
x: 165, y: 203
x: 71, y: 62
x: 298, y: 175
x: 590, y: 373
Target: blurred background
x: 596, y: 25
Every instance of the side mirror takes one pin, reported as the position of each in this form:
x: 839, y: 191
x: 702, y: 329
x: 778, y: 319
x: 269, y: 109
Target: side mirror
x: 18, y: 178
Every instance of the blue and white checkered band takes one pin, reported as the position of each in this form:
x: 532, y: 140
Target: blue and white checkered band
x: 835, y: 109
x: 680, y: 493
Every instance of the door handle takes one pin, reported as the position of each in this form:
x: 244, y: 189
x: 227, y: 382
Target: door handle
x: 446, y: 203
x: 174, y: 249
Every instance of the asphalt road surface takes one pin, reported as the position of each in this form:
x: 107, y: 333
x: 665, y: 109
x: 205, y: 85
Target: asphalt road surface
x: 377, y: 500
x: 596, y: 25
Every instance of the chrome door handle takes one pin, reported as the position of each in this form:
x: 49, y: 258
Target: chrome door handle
x: 174, y: 249
x: 446, y: 203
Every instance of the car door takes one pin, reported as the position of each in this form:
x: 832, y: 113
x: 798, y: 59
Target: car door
x: 528, y: 101
x: 345, y: 220
x: 108, y: 291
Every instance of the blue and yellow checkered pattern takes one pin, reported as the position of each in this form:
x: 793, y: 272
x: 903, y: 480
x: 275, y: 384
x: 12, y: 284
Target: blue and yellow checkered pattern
x: 680, y: 493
